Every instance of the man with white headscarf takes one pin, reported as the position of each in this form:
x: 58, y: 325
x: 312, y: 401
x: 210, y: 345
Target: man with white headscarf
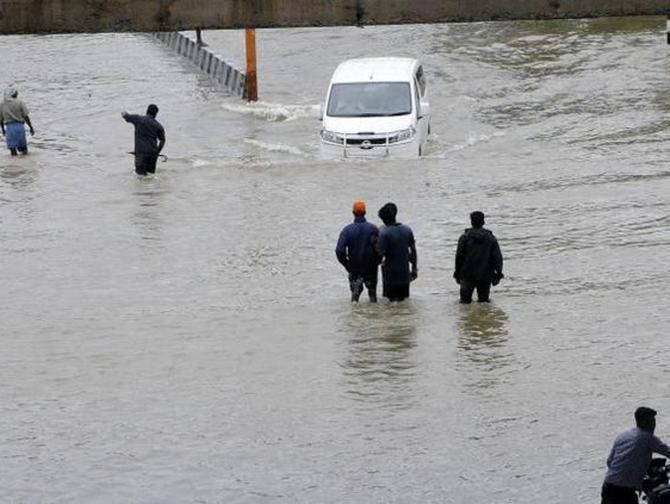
x: 13, y: 118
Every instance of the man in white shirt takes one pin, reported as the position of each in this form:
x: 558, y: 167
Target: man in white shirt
x: 13, y: 118
x: 630, y: 457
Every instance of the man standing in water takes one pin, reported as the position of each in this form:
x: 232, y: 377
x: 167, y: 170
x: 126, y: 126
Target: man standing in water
x: 356, y: 252
x: 630, y: 457
x: 148, y: 132
x: 479, y: 261
x: 13, y: 118
x: 397, y: 247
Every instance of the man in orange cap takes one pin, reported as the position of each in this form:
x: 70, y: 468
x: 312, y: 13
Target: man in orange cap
x: 356, y: 252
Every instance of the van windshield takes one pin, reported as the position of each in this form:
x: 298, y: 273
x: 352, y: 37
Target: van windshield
x: 370, y: 99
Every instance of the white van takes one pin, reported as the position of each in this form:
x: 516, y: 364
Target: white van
x: 376, y: 107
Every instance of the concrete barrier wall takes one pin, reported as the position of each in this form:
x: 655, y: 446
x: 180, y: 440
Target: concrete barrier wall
x: 52, y: 16
x: 212, y: 64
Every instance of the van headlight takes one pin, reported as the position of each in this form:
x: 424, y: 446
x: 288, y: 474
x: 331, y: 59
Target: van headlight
x: 402, y: 136
x: 331, y: 137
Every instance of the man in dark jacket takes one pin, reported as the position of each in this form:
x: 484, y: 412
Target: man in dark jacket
x: 149, y: 139
x: 397, y: 247
x: 479, y: 261
x: 356, y: 252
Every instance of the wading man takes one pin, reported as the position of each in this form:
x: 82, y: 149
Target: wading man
x: 479, y: 261
x: 149, y: 139
x: 629, y: 459
x: 356, y: 252
x: 13, y: 118
x: 397, y: 247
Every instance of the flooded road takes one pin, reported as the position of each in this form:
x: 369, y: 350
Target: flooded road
x: 189, y: 338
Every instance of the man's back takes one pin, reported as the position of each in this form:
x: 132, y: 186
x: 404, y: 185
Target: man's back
x: 395, y: 241
x: 630, y: 456
x: 356, y: 243
x: 147, y: 131
x: 478, y: 255
x: 13, y: 110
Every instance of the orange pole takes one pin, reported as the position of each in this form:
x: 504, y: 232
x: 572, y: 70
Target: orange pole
x: 252, y: 82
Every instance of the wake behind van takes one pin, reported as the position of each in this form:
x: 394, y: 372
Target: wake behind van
x: 376, y: 107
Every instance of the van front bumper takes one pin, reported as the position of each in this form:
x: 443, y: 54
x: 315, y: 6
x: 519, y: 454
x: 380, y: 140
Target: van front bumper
x: 407, y: 150
x: 368, y: 146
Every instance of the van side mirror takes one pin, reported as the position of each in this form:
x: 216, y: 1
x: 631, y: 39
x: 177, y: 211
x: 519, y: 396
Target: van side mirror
x: 425, y: 109
x: 321, y: 112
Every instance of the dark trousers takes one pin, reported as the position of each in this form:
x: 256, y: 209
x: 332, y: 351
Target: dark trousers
x: 396, y: 292
x: 145, y: 164
x: 613, y: 494
x: 468, y: 287
x: 356, y: 282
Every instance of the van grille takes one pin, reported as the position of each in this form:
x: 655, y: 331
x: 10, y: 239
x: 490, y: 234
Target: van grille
x: 371, y: 141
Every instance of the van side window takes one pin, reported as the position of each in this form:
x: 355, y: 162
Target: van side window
x: 421, y: 79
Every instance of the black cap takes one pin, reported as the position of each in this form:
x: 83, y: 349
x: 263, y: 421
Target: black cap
x: 644, y: 412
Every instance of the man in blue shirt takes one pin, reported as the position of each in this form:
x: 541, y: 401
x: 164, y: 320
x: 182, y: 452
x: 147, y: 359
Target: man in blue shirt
x: 149, y: 139
x: 356, y: 252
x: 398, y: 248
x: 630, y: 457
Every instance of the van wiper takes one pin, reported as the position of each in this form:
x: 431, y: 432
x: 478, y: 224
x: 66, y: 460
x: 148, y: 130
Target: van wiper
x: 391, y: 114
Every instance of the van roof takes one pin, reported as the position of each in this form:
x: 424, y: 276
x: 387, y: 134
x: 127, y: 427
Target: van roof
x: 375, y: 70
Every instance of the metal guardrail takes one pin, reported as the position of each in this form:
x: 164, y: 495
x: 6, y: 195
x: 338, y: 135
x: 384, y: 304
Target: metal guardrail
x: 208, y: 62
